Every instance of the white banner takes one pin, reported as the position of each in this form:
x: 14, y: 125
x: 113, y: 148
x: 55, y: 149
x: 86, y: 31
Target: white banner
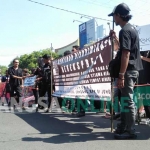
x: 84, y: 75
x: 144, y: 35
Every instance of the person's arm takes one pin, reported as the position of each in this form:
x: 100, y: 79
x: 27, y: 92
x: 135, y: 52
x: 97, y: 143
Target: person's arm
x: 17, y: 77
x: 38, y: 79
x: 124, y: 63
x: 145, y: 58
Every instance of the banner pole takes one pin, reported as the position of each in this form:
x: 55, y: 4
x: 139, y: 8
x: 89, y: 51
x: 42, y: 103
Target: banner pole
x: 112, y: 80
x: 51, y: 76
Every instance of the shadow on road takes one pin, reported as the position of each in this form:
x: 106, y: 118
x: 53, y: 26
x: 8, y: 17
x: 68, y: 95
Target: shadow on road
x: 65, y: 128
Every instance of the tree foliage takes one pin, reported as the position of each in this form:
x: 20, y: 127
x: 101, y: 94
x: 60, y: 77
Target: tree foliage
x: 3, y: 69
x: 29, y: 61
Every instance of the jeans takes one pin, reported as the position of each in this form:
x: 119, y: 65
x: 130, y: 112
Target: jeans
x: 127, y: 102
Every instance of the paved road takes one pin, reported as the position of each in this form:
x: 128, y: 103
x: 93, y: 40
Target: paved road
x: 39, y: 131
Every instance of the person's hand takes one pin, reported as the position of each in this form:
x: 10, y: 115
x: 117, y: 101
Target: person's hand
x: 24, y: 77
x: 21, y: 86
x: 141, y: 57
x: 37, y: 79
x: 112, y: 33
x: 120, y: 83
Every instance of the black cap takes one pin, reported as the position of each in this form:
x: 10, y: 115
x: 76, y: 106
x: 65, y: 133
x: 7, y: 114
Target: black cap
x: 121, y: 9
x: 46, y: 56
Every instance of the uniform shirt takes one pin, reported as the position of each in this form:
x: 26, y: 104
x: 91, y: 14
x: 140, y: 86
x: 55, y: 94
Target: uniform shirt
x: 46, y: 77
x: 129, y: 40
x: 12, y: 72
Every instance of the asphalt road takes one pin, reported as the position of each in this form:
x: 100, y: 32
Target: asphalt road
x: 40, y: 131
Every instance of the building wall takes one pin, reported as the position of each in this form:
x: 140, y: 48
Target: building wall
x: 60, y: 51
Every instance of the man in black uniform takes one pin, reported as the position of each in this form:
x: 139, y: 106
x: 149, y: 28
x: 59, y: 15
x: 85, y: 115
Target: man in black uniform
x: 46, y: 80
x: 129, y: 54
x: 16, y: 80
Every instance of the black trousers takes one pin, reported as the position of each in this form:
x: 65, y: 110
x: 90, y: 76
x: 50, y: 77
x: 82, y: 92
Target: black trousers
x: 18, y: 91
x: 35, y: 93
x: 147, y: 111
x: 46, y: 88
x: 60, y: 101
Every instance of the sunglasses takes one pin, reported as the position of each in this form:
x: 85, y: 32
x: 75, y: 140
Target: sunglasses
x: 16, y: 62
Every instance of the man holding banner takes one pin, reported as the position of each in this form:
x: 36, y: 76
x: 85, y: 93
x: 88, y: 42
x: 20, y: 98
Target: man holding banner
x: 130, y: 64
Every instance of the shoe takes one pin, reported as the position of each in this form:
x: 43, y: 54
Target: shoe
x: 14, y: 107
x: 120, y: 128
x: 46, y: 110
x: 74, y: 112
x: 80, y: 114
x: 147, y: 122
x: 8, y: 104
x: 125, y: 135
x: 36, y: 109
x: 23, y: 108
x: 2, y: 104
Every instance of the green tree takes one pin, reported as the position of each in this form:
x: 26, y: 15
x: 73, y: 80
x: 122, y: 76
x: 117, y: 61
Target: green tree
x: 29, y: 61
x: 3, y: 69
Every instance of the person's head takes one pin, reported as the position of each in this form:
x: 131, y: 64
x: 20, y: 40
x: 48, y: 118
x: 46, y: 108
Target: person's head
x: 15, y: 62
x: 67, y: 53
x: 75, y: 49
x: 60, y: 56
x: 6, y: 72
x: 121, y: 14
x: 25, y: 71
x: 33, y: 70
x: 46, y: 59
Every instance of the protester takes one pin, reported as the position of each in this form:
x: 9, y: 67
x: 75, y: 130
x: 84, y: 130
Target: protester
x: 0, y: 75
x: 60, y: 100
x: 131, y: 63
x: 81, y: 112
x: 7, y: 89
x: 146, y: 102
x: 35, y: 87
x: 0, y: 80
x: 26, y: 72
x: 75, y: 49
x: 46, y: 80
x: 16, y: 81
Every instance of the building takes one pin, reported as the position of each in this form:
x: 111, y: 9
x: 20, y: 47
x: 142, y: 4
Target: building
x: 60, y: 51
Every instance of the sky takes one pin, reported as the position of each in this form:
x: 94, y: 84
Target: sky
x: 26, y: 27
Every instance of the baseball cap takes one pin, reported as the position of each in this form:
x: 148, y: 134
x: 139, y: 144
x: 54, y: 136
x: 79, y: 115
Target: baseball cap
x: 121, y: 9
x: 46, y: 56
